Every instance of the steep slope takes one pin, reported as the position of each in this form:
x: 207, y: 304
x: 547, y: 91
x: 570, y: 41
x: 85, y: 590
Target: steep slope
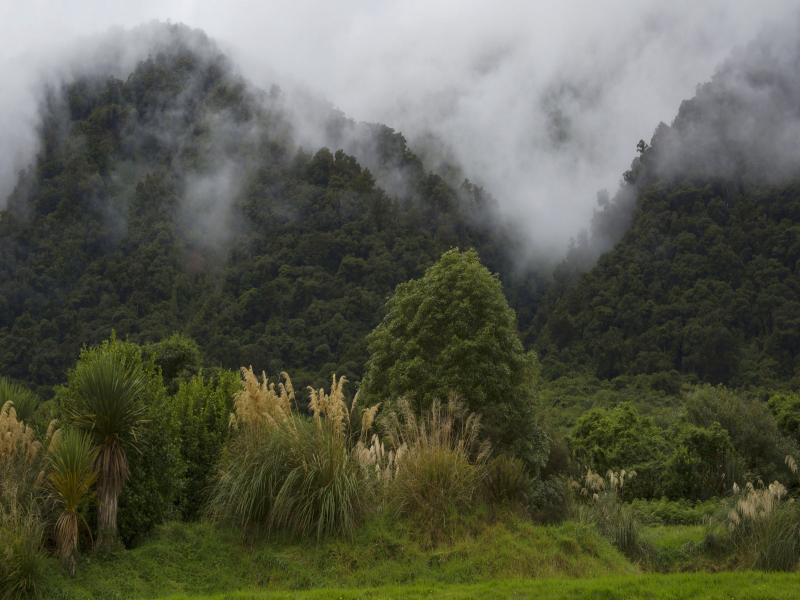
x: 706, y: 280
x: 177, y: 200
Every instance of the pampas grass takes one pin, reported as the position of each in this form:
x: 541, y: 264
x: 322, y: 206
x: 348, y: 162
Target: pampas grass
x: 283, y: 472
x: 439, y: 459
x: 764, y: 527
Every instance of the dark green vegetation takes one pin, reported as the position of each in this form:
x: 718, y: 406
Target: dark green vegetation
x: 452, y: 331
x: 175, y: 208
x: 175, y: 200
x: 704, y: 282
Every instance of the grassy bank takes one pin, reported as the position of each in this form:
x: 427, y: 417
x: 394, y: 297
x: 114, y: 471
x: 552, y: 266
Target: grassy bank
x: 721, y: 586
x: 202, y: 559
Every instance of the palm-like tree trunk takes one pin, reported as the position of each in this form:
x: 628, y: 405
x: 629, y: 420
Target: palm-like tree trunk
x: 112, y: 466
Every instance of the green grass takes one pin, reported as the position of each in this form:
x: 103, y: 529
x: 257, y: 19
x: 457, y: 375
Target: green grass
x: 202, y: 559
x: 722, y: 586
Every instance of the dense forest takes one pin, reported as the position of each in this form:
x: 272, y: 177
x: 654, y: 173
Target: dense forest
x: 704, y: 281
x: 208, y: 330
x: 176, y: 201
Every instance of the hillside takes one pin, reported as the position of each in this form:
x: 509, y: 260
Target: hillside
x: 176, y: 199
x: 704, y: 281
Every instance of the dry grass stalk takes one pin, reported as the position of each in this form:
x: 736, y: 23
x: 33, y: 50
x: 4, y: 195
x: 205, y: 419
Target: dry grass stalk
x: 439, y: 460
x: 20, y: 457
x: 259, y: 404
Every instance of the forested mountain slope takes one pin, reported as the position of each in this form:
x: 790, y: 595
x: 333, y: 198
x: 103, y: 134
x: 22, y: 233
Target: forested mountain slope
x: 176, y: 200
x: 706, y: 280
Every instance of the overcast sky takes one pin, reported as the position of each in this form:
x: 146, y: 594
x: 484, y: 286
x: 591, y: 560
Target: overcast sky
x: 542, y: 102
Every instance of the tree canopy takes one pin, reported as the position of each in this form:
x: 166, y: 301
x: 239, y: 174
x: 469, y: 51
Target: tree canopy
x: 452, y: 331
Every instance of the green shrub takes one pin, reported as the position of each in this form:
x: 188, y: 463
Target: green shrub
x: 203, y: 405
x: 615, y: 520
x: 21, y: 558
x: 24, y: 401
x: 507, y: 481
x: 607, y: 439
x: 676, y: 512
x: 153, y: 459
x: 178, y: 357
x: 752, y: 428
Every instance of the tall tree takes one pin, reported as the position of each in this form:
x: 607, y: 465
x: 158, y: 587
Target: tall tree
x: 452, y: 331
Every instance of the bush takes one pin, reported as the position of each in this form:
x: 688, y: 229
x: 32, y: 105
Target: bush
x: 507, y: 481
x: 282, y: 472
x: 21, y: 558
x: 752, y: 428
x: 24, y: 401
x: 765, y: 529
x: 203, y: 406
x: 439, y: 460
x: 154, y: 461
x: 615, y: 520
x: 605, y: 440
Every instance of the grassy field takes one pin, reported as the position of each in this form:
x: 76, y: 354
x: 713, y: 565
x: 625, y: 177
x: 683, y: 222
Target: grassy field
x: 510, y: 558
x: 721, y: 586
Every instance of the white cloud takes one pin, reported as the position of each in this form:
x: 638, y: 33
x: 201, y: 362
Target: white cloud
x: 543, y: 103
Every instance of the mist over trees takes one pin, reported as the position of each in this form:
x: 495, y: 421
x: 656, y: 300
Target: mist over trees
x: 175, y: 200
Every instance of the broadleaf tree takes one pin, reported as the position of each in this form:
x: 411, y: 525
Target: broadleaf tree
x: 452, y: 331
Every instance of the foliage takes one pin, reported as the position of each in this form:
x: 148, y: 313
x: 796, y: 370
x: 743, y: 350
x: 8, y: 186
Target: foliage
x: 178, y: 357
x: 153, y: 458
x: 619, y: 438
x: 21, y: 558
x: 284, y: 472
x: 452, y: 331
x: 439, y: 460
x: 24, y: 402
x: 786, y: 410
x: 765, y: 528
x: 507, y: 481
x: 108, y: 405
x: 615, y: 520
x: 676, y: 512
x: 71, y: 477
x: 289, y: 273
x: 203, y: 405
x: 753, y: 430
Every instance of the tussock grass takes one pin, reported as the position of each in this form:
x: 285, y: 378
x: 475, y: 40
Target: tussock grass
x: 440, y: 460
x: 283, y: 472
x: 24, y: 401
x: 764, y: 528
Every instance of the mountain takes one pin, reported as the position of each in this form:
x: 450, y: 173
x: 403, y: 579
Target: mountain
x: 176, y: 198
x: 705, y: 280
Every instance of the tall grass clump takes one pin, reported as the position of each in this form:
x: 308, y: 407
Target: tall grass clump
x: 24, y: 401
x: 284, y: 472
x: 600, y: 505
x: 22, y: 470
x: 764, y: 526
x: 439, y: 459
x: 21, y: 557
